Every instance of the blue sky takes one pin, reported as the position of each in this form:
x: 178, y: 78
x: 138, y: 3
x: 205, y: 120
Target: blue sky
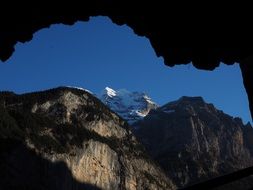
x: 97, y: 54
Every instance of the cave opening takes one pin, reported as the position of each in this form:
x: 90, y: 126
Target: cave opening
x: 98, y: 54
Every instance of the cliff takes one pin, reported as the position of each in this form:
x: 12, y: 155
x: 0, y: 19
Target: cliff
x: 65, y: 138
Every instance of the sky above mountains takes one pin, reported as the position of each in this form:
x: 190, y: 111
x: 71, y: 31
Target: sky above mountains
x: 98, y: 54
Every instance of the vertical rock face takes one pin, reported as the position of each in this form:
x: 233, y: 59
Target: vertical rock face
x: 66, y: 138
x: 193, y: 141
x: 131, y: 106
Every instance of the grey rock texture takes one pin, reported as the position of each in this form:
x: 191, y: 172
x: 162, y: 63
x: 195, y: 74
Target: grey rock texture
x: 66, y: 138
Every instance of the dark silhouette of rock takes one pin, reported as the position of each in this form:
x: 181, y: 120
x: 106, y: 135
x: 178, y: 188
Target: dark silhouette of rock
x: 193, y: 141
x: 168, y: 36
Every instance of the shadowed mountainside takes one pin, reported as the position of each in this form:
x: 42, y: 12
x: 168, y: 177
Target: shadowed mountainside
x: 193, y: 141
x: 21, y: 168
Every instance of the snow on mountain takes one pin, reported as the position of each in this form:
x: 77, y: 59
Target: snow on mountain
x: 80, y: 88
x: 110, y: 92
x: 132, y: 106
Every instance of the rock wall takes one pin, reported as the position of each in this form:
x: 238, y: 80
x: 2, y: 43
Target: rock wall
x: 193, y: 141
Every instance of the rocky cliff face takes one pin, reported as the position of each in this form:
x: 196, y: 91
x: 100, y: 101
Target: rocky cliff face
x: 131, y: 106
x: 193, y: 141
x: 66, y: 138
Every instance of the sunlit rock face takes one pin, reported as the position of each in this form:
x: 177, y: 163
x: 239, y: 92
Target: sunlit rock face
x: 193, y: 141
x: 65, y: 138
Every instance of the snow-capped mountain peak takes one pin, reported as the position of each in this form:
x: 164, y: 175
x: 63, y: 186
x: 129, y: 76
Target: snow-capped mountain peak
x: 131, y: 106
x: 109, y: 91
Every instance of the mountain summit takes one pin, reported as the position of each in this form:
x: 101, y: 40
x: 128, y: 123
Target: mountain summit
x: 131, y: 106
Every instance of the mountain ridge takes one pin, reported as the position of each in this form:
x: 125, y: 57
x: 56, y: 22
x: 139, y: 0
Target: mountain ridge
x: 190, y: 139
